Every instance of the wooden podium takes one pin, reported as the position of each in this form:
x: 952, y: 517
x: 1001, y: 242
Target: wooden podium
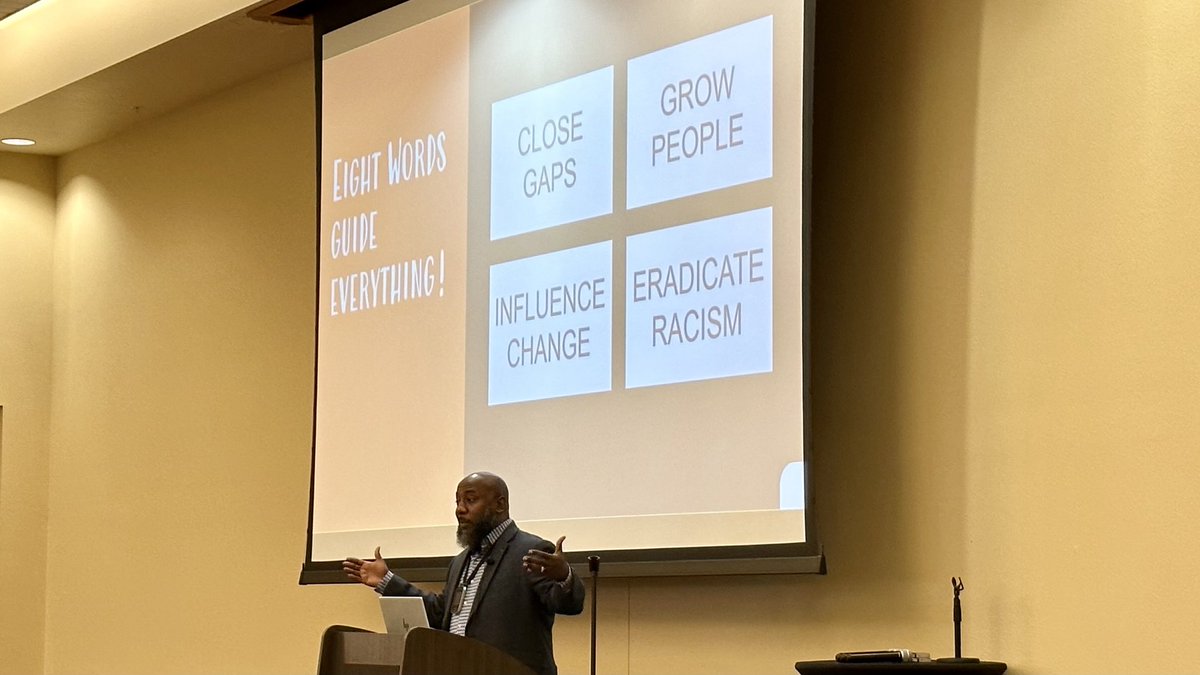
x: 355, y: 651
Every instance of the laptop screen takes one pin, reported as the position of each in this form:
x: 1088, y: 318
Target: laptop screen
x: 402, y: 614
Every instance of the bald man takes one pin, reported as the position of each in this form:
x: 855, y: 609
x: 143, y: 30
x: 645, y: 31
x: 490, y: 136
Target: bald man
x: 504, y: 588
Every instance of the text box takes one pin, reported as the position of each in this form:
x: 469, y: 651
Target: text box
x: 552, y: 154
x: 699, y: 115
x: 550, y: 325
x: 698, y: 300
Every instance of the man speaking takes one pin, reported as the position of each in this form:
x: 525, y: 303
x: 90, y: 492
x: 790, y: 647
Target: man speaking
x: 504, y: 588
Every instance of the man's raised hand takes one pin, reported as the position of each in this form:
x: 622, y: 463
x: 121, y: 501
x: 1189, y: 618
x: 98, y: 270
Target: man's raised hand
x: 368, y: 572
x: 552, y: 565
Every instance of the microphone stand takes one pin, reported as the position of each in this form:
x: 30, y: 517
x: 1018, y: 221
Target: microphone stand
x: 594, y: 568
x: 957, y: 585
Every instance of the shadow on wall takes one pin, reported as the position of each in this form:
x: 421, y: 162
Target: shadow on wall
x: 895, y: 90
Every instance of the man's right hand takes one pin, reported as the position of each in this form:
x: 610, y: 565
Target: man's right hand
x: 369, y: 572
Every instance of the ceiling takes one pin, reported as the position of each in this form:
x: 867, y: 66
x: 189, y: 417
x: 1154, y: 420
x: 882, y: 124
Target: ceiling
x: 199, y: 63
x: 10, y: 7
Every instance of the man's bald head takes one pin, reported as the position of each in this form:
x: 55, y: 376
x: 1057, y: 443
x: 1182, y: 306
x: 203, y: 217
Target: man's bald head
x: 480, y: 504
x: 488, y: 481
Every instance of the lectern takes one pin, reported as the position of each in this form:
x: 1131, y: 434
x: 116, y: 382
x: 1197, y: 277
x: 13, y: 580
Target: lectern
x: 354, y: 651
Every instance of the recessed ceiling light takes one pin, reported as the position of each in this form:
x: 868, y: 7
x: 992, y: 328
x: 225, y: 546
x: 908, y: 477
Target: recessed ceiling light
x: 17, y: 141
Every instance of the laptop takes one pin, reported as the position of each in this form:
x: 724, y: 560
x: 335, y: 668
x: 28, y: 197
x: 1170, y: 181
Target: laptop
x: 403, y: 613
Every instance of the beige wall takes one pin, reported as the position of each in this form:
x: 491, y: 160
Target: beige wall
x: 182, y: 394
x: 1004, y: 369
x: 26, y: 246
x: 1084, y: 363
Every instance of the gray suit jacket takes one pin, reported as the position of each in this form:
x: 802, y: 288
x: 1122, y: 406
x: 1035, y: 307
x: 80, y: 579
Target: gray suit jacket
x: 513, y: 610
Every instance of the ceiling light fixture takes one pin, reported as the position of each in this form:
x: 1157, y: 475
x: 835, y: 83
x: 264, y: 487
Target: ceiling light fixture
x: 17, y: 141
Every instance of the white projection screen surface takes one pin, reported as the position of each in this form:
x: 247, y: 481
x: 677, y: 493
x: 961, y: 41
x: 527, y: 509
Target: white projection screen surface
x: 564, y: 241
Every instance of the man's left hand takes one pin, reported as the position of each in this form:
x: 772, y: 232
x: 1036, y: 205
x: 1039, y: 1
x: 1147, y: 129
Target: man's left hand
x: 551, y: 565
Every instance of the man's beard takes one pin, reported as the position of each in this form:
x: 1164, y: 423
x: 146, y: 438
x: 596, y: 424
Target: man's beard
x: 471, y: 536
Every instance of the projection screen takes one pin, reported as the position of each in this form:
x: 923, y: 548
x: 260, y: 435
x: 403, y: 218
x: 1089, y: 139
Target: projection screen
x: 564, y: 241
